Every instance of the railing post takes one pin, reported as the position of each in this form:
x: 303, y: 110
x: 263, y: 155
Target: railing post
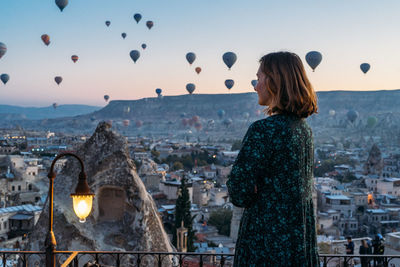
x: 4, y: 259
x: 138, y: 261
x: 76, y: 262
x: 24, y: 261
x: 385, y: 262
x: 222, y: 260
x: 180, y: 260
x: 118, y: 260
x: 201, y: 260
x: 159, y: 260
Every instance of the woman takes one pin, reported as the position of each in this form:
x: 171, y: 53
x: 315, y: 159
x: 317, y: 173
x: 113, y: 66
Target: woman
x: 365, y: 249
x: 272, y: 177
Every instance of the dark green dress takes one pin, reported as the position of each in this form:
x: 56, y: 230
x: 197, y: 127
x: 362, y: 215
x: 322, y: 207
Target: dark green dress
x: 278, y: 223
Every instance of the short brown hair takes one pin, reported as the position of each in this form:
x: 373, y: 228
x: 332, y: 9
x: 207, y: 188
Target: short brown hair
x: 288, y: 86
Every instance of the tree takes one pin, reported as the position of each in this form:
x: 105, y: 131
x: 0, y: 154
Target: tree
x: 182, y: 213
x: 177, y: 166
x: 155, y: 153
x: 221, y: 219
x: 236, y: 145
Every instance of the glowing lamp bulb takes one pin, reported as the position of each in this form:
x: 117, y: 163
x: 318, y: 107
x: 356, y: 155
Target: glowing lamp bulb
x: 82, y: 205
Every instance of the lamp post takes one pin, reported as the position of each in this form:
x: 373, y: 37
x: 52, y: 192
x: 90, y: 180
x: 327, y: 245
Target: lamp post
x: 82, y: 201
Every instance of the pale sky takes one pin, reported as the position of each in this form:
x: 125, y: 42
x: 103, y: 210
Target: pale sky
x: 346, y: 32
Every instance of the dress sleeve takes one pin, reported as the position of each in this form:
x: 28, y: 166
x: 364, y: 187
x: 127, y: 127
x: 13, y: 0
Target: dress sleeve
x: 247, y: 167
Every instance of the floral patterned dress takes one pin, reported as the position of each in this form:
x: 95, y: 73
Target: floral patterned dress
x: 272, y: 178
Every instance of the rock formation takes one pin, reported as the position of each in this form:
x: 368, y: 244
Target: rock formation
x: 374, y: 164
x: 124, y: 216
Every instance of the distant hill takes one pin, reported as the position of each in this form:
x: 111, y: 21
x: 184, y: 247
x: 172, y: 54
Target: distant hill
x: 39, y: 113
x: 235, y: 105
x: 164, y: 115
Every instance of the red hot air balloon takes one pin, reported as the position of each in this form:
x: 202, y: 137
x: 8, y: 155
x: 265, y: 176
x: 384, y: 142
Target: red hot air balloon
x: 126, y: 123
x: 74, y: 58
x: 198, y: 70
x: 58, y: 79
x: 45, y: 39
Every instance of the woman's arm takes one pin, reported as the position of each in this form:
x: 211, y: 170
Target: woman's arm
x: 242, y: 182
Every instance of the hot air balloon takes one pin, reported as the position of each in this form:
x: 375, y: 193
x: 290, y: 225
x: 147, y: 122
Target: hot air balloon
x: 125, y: 123
x: 198, y: 70
x: 55, y: 105
x: 229, y: 83
x: 4, y: 78
x: 144, y: 46
x: 221, y: 113
x: 106, y: 97
x: 365, y: 67
x: 158, y: 92
x: 108, y: 23
x: 190, y: 57
x: 190, y: 87
x: 123, y: 35
x: 149, y: 24
x: 254, y: 83
x: 45, y: 39
x: 229, y: 59
x: 61, y: 4
x: 134, y: 55
x: 74, y: 58
x: 371, y: 122
x: 198, y: 126
x: 58, y: 79
x: 352, y: 115
x: 137, y: 17
x: 195, y: 119
x: 3, y: 49
x: 139, y: 123
x: 246, y: 115
x: 227, y: 122
x: 332, y: 112
x: 182, y: 115
x: 313, y: 59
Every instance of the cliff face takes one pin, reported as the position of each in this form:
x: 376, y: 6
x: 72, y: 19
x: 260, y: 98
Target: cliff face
x: 124, y: 216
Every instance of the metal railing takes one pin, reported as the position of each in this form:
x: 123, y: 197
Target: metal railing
x: 162, y: 259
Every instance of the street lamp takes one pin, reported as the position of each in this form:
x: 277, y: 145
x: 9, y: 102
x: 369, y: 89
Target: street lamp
x: 82, y: 201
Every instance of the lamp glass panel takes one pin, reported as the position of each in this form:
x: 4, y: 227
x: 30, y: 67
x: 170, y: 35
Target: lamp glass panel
x: 82, y: 206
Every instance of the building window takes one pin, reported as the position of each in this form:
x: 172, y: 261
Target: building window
x: 30, y: 187
x: 5, y: 225
x: 19, y: 188
x: 13, y: 188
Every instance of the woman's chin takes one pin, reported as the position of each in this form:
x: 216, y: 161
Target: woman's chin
x: 261, y: 103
